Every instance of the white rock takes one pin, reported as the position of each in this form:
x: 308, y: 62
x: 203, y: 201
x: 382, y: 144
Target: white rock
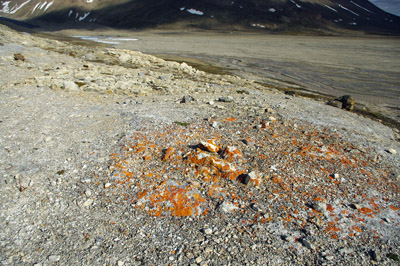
x: 124, y: 58
x: 392, y: 151
x: 120, y: 263
x: 87, y: 203
x: 70, y: 86
x: 107, y: 185
x: 208, y: 250
x: 228, y: 207
x: 54, y: 258
x: 199, y: 259
x: 88, y: 193
x: 208, y: 231
x: 336, y: 176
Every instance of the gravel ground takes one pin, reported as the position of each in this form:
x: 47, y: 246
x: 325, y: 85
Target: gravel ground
x: 113, y: 157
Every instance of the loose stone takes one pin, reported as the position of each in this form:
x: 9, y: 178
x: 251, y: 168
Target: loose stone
x: 54, y: 258
x: 208, y: 231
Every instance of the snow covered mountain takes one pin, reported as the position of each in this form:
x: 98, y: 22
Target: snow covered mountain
x: 271, y: 15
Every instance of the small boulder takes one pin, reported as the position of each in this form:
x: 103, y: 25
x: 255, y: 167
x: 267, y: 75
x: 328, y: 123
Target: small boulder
x: 347, y: 102
x: 187, y: 99
x: 19, y: 57
x: 70, y: 86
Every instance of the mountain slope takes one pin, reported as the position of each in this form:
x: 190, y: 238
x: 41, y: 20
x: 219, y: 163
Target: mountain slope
x: 275, y: 15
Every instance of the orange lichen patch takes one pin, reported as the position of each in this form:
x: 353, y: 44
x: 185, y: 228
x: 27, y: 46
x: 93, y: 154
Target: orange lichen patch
x: 357, y: 229
x: 319, y: 199
x: 168, y: 153
x: 365, y: 210
x: 231, y: 153
x: 209, y: 145
x: 177, y: 179
x: 329, y: 208
x: 277, y: 179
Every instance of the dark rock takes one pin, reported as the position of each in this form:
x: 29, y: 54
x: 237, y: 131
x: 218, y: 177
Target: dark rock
x: 19, y: 57
x: 1, y: 44
x: 347, y: 102
x: 187, y: 99
x: 393, y: 256
x: 291, y: 93
x: 228, y: 99
x: 244, y: 179
x: 374, y: 255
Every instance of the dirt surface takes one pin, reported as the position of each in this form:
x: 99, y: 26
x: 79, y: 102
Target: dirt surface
x: 114, y: 157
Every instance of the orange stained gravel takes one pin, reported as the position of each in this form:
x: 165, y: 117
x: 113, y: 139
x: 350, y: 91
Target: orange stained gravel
x: 191, y: 170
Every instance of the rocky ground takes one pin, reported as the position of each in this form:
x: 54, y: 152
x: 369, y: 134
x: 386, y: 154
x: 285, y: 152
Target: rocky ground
x: 113, y: 157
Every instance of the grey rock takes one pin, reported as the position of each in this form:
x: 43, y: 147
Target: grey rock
x: 320, y: 206
x: 307, y: 244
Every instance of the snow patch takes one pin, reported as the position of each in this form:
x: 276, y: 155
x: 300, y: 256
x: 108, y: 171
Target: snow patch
x: 14, y: 9
x: 70, y: 13
x: 84, y: 16
x: 342, y: 7
x: 361, y: 7
x: 258, y: 26
x: 43, y: 5
x: 195, y: 12
x: 182, y: 8
x: 36, y: 6
x: 272, y: 10
x: 106, y: 40
x: 89, y: 1
x: 48, y: 5
x: 297, y: 5
x: 331, y: 8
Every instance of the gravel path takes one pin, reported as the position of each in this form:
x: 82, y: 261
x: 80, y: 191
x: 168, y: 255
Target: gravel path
x: 113, y: 157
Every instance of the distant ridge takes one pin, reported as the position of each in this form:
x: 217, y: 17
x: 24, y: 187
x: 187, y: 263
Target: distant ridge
x: 267, y: 15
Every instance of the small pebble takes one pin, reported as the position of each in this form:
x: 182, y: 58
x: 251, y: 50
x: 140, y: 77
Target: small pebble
x: 208, y: 231
x: 107, y: 185
x: 199, y: 259
x: 87, y: 203
x: 54, y: 258
x: 120, y: 263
